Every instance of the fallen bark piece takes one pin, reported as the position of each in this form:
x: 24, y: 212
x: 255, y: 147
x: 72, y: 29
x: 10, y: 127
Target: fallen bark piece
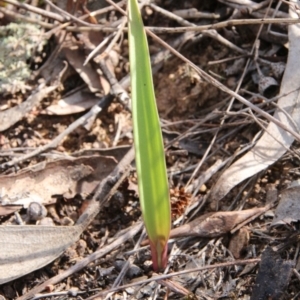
x: 73, y: 104
x: 273, y: 276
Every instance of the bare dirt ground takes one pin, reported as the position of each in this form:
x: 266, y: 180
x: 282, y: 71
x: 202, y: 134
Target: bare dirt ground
x: 65, y: 125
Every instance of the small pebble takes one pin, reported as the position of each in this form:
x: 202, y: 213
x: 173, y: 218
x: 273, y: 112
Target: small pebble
x: 71, y: 253
x: 146, y: 291
x: 133, y: 270
x: 73, y: 292
x: 130, y: 291
x: 203, y: 188
x: 269, y: 214
x: 118, y: 264
x: 119, y: 198
x: 36, y: 211
x: 105, y: 271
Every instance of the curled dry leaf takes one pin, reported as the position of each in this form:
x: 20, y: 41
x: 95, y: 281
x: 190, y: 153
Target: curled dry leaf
x: 268, y: 149
x: 76, y: 59
x: 215, y: 224
x: 238, y: 242
x: 267, y: 86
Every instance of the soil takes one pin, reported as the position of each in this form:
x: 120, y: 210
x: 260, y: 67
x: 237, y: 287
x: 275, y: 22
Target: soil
x: 191, y: 110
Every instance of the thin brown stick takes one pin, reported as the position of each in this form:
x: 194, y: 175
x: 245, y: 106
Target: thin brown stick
x: 68, y: 15
x: 15, y: 15
x: 285, y: 21
x: 171, y: 15
x: 36, y: 10
x: 229, y: 23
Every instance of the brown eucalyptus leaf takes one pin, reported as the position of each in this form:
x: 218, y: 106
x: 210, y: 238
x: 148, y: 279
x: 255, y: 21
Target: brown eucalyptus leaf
x: 66, y: 177
x: 214, y: 224
x: 238, y: 242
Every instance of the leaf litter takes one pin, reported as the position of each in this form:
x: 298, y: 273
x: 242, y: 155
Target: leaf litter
x: 275, y: 141
x: 26, y: 248
x: 204, y: 137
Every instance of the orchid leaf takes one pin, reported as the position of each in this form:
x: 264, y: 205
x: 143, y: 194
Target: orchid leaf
x: 150, y: 157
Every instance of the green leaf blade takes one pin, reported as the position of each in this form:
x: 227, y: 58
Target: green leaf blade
x: 150, y: 159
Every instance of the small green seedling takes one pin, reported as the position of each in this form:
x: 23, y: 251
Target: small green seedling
x: 150, y: 157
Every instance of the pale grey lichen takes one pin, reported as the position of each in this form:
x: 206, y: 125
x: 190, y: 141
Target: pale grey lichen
x: 18, y: 42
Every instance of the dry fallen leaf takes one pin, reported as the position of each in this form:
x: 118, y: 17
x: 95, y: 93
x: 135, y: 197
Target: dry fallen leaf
x: 238, y: 242
x: 212, y: 225
x: 215, y: 224
x: 27, y: 248
x: 74, y: 56
x: 75, y: 103
x: 288, y: 209
x: 9, y: 209
x: 65, y: 177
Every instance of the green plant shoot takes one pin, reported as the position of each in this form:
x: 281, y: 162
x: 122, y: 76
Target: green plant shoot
x: 149, y: 150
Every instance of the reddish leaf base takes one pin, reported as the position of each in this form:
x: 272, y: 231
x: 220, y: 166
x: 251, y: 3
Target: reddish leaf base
x: 159, y: 252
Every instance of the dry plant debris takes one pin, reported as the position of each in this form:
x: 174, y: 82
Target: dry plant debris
x: 226, y: 84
